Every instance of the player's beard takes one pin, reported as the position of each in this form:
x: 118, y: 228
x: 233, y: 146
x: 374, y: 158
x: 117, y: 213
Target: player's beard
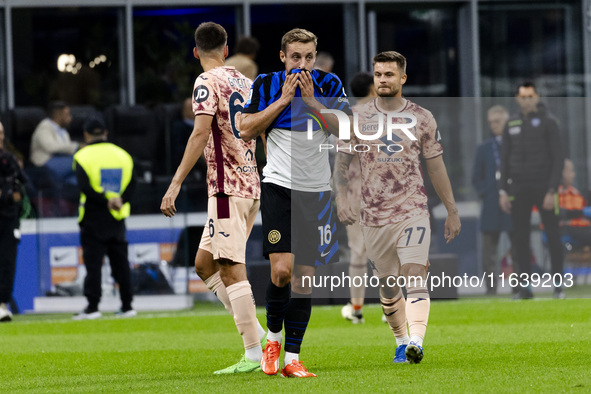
x: 393, y: 92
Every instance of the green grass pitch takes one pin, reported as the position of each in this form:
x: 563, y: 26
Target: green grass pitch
x: 471, y: 346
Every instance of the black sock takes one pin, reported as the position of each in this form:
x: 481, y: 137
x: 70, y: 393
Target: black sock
x: 277, y: 302
x: 296, y: 322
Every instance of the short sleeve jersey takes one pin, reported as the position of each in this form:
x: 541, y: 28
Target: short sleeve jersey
x: 392, y: 188
x: 293, y: 161
x: 231, y: 165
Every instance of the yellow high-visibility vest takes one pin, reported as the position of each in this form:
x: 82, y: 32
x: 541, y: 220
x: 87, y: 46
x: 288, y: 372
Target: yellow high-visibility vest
x: 109, y: 169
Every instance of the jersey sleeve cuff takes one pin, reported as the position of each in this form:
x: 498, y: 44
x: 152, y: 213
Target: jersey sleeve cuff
x: 434, y: 156
x: 212, y: 113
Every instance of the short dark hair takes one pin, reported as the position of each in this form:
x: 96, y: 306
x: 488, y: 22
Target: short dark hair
x: 324, y: 59
x: 210, y: 36
x: 389, y: 57
x: 526, y: 84
x: 361, y: 84
x: 55, y: 106
x: 94, y: 126
x: 247, y: 46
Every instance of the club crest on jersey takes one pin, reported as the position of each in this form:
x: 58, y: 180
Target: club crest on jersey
x: 274, y: 236
x: 200, y: 94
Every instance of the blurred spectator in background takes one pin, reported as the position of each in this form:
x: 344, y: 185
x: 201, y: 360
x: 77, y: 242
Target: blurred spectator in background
x: 105, y: 178
x: 51, y: 146
x: 362, y: 87
x: 324, y: 62
x: 9, y: 147
x: 531, y: 169
x: 485, y: 177
x: 574, y: 222
x: 181, y: 130
x: 244, y: 55
x: 12, y: 181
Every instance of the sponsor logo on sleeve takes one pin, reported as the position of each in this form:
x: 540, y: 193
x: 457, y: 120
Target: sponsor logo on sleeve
x: 200, y: 94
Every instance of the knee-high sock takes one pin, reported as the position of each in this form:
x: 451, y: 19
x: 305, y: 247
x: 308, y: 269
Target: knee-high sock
x: 242, y: 301
x: 215, y: 284
x: 357, y: 267
x: 277, y: 302
x: 296, y: 322
x: 417, y: 309
x: 395, y: 312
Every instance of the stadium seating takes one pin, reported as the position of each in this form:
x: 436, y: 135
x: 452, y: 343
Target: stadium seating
x: 144, y: 132
x: 135, y: 129
x: 166, y: 115
x: 80, y: 114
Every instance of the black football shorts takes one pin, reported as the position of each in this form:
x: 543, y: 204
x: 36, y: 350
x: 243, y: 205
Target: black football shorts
x: 302, y: 223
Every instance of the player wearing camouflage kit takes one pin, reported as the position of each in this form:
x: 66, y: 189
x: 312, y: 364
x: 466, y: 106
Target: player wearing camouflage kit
x: 394, y: 215
x: 232, y: 184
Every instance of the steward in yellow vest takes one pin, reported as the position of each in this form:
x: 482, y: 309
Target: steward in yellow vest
x: 105, y: 177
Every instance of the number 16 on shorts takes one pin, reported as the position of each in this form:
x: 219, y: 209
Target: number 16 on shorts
x: 325, y: 235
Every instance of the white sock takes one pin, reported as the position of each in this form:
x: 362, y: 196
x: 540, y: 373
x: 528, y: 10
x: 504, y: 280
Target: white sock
x: 417, y: 340
x: 289, y: 357
x: 254, y: 353
x: 260, y: 330
x: 402, y: 341
x: 274, y: 336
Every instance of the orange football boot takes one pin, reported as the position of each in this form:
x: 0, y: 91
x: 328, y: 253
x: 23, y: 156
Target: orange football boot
x: 270, y: 360
x: 296, y: 370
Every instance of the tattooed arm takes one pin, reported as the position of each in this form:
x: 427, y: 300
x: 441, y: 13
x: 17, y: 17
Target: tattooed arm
x: 341, y: 174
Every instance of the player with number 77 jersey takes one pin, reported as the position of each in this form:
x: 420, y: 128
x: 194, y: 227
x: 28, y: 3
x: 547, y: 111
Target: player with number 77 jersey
x: 394, y: 216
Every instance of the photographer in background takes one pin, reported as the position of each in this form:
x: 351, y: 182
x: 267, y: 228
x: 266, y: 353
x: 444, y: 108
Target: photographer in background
x: 12, y: 181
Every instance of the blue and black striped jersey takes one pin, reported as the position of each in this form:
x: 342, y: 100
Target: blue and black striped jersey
x: 266, y: 89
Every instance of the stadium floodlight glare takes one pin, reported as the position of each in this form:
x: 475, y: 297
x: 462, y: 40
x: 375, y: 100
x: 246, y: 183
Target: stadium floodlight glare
x: 64, y: 60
